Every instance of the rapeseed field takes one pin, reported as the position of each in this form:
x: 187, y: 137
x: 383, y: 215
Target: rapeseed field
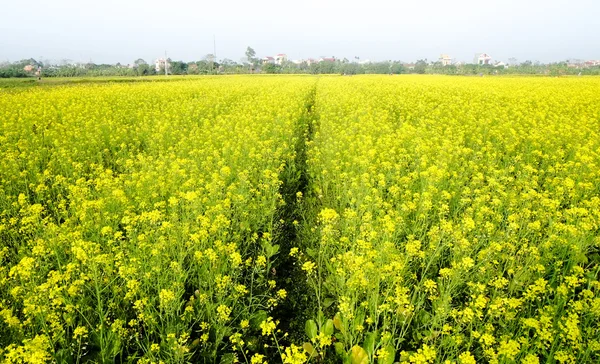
x: 364, y: 219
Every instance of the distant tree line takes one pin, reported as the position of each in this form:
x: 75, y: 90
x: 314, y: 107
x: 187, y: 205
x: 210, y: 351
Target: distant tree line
x: 251, y: 64
x: 524, y: 68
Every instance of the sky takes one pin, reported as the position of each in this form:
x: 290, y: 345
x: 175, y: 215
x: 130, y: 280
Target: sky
x: 111, y: 31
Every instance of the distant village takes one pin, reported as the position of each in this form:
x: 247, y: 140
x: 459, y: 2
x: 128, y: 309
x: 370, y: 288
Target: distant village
x: 482, y: 63
x: 481, y: 59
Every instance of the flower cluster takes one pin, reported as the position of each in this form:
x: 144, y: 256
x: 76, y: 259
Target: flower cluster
x: 458, y: 216
x: 440, y: 220
x: 138, y: 218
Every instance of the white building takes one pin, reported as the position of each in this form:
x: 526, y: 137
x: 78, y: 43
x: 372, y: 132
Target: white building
x: 280, y: 58
x: 159, y: 65
x: 268, y: 60
x: 484, y: 58
x: 445, y: 60
x: 326, y: 59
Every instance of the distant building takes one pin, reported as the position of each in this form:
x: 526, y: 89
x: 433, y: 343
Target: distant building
x: 592, y: 63
x: 327, y: 59
x: 29, y: 68
x: 268, y: 60
x: 159, y: 65
x: 445, y: 60
x: 500, y: 64
x: 410, y: 66
x: 280, y: 58
x: 484, y: 59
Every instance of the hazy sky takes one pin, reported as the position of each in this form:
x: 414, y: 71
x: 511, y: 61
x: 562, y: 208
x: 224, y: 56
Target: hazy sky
x: 110, y: 31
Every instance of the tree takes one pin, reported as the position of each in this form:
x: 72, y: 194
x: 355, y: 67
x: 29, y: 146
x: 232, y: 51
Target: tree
x: 25, y: 62
x: 204, y: 67
x: 178, y: 68
x: 350, y: 68
x: 143, y: 69
x: 420, y: 66
x: 210, y: 60
x: 192, y: 68
x: 328, y: 67
x: 229, y: 66
x: 251, y: 55
x: 377, y: 68
x: 271, y: 68
x: 397, y: 68
x: 228, y: 62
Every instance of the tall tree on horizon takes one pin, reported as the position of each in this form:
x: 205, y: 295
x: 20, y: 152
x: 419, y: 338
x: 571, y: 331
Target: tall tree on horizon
x: 251, y: 56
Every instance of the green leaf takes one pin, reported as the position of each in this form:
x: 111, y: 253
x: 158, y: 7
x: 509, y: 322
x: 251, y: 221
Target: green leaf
x: 347, y: 358
x: 328, y: 329
x: 227, y: 358
x: 337, y: 322
x: 339, y: 348
x: 257, y: 318
x: 270, y: 249
x: 358, y: 355
x: 274, y: 249
x: 369, y: 343
x: 227, y: 331
x: 253, y: 343
x: 310, y: 328
x: 309, y: 349
x: 404, y: 356
x: 328, y: 302
x: 389, y: 357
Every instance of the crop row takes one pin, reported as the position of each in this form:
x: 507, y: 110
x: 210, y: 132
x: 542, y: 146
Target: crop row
x: 138, y: 219
x: 456, y: 220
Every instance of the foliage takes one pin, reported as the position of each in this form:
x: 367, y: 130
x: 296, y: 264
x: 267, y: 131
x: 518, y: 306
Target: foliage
x: 251, y: 56
x: 250, y: 64
x: 454, y: 220
x: 366, y: 219
x: 420, y: 66
x: 271, y: 68
x: 137, y: 220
